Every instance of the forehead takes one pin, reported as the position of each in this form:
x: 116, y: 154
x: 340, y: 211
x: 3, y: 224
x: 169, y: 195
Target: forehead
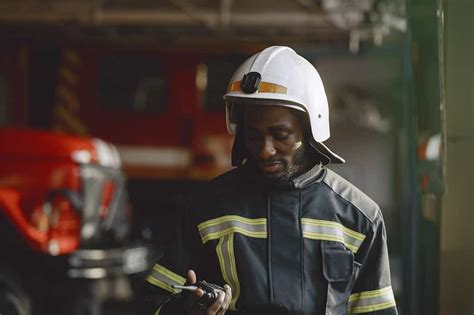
x: 269, y: 115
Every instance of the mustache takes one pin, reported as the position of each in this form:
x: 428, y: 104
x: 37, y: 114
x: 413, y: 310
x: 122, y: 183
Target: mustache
x: 270, y: 161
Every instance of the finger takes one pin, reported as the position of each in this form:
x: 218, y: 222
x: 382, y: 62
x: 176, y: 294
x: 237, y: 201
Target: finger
x: 227, y: 299
x: 191, y: 277
x: 217, y: 304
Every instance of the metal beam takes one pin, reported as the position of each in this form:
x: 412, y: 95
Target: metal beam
x: 307, y: 4
x: 86, y: 16
x: 193, y: 13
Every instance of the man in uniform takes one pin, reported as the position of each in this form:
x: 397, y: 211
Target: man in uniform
x: 281, y: 233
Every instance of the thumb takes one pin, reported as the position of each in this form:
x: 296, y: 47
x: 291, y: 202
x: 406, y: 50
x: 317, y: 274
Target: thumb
x: 191, y: 277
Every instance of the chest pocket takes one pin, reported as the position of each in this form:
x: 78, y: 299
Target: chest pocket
x: 340, y: 270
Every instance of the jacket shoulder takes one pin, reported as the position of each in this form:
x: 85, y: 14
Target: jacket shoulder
x: 222, y: 182
x: 227, y: 176
x: 229, y: 180
x: 350, y: 193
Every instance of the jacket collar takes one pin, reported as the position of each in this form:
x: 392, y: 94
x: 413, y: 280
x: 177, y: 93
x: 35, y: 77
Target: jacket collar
x: 313, y: 175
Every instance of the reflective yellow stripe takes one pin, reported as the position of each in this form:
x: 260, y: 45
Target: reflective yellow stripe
x: 372, y: 308
x: 161, y: 284
x: 158, y: 310
x: 219, y: 227
x: 222, y: 262
x: 165, y: 278
x: 224, y: 228
x: 231, y: 217
x: 348, y: 231
x: 226, y: 255
x: 369, y: 294
x: 332, y: 231
x: 263, y: 87
x: 370, y: 301
x: 233, y: 268
x: 214, y: 236
x: 169, y: 273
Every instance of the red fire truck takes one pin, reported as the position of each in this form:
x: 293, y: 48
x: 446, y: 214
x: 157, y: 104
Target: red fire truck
x: 163, y: 109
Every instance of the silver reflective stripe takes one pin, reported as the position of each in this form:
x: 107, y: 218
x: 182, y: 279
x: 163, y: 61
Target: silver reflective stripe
x: 218, y: 227
x: 225, y: 252
x: 331, y: 231
x: 164, y: 278
x: 371, y: 301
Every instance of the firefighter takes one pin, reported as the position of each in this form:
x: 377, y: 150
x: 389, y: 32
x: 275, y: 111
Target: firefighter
x: 281, y: 233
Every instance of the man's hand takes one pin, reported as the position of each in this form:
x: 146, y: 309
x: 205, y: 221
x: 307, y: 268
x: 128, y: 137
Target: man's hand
x: 219, y: 307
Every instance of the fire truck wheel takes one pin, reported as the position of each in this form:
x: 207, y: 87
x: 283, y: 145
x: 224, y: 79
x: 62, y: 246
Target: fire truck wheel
x: 13, y: 300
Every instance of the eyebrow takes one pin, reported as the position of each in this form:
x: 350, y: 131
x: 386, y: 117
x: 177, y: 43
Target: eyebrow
x: 281, y: 127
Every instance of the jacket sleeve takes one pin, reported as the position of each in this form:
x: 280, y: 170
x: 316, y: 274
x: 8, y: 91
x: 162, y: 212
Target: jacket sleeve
x: 372, y: 293
x: 158, y: 296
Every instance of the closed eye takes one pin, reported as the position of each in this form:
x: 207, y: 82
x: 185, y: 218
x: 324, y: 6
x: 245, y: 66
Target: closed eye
x: 282, y: 136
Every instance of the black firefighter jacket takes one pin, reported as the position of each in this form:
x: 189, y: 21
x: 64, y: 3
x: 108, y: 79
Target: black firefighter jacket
x: 317, y: 246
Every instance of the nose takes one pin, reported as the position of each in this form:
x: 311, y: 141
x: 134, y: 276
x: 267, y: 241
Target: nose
x: 267, y: 149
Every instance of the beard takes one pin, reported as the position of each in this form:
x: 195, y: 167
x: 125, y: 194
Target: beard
x: 291, y: 169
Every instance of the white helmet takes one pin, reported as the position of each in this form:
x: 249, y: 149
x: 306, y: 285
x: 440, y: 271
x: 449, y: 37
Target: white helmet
x: 279, y: 76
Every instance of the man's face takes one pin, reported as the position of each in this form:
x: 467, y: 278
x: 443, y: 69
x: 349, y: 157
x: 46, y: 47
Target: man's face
x: 274, y: 139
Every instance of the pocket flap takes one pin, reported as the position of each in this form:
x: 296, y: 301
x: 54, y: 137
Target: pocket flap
x: 338, y: 261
